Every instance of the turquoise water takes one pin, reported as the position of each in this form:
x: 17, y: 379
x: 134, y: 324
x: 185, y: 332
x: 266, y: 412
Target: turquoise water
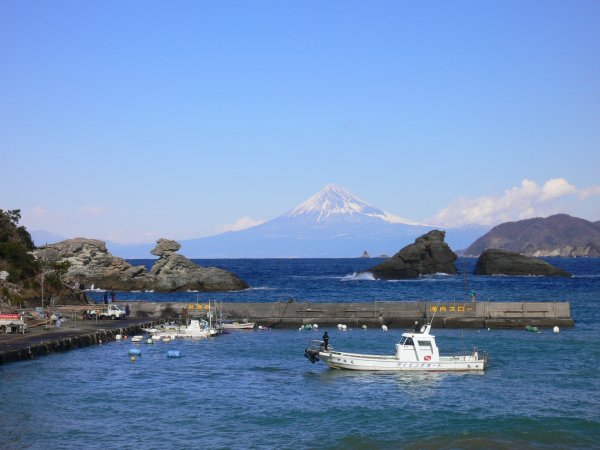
x: 254, y: 389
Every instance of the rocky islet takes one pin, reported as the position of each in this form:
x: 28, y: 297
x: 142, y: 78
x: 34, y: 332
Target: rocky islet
x: 90, y: 263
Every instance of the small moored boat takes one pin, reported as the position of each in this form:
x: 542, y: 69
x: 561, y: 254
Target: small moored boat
x: 416, y: 351
x: 239, y: 325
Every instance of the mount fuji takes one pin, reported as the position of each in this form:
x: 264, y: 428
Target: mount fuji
x: 332, y: 223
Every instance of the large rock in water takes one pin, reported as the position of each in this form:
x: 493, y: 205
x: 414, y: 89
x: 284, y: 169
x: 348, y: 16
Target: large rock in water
x: 92, y: 264
x: 504, y: 262
x: 174, y: 272
x: 429, y: 254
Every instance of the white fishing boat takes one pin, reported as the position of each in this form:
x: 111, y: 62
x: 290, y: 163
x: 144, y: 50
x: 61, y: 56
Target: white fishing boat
x: 416, y: 351
x: 197, y: 328
x: 239, y: 325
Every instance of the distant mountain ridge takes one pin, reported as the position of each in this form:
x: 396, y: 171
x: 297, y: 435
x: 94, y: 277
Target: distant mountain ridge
x: 557, y: 235
x: 333, y: 223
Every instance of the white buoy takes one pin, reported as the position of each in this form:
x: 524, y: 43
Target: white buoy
x: 118, y: 337
x: 315, y: 326
x: 301, y: 329
x: 344, y: 327
x: 556, y: 329
x: 340, y: 326
x: 364, y: 327
x: 384, y: 327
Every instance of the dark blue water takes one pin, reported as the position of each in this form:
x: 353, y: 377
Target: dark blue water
x: 255, y: 390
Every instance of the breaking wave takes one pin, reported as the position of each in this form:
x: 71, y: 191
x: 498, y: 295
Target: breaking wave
x: 359, y: 276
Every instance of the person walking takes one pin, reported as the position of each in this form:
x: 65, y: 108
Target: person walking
x: 105, y: 298
x: 127, y: 310
x: 325, y: 340
x: 112, y: 296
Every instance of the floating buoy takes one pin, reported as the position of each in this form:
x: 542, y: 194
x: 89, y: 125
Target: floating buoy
x: 132, y: 358
x: 489, y: 329
x: 149, y: 341
x: 344, y: 328
x: 364, y: 327
x: 135, y: 352
x: 173, y: 354
x: 384, y: 327
x: 556, y: 329
x: 315, y: 326
x: 118, y: 337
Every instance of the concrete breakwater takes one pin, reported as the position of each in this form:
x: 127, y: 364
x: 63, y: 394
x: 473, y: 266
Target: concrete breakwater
x: 392, y: 314
x: 18, y: 347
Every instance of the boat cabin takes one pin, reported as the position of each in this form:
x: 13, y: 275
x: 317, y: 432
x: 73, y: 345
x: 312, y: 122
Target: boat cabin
x: 418, y: 347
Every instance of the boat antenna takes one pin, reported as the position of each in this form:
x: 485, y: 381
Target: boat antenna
x: 464, y: 264
x: 435, y: 312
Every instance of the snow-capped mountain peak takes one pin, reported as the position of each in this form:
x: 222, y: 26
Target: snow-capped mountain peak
x: 335, y: 202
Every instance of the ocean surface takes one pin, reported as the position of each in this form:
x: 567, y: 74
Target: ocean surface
x: 254, y: 389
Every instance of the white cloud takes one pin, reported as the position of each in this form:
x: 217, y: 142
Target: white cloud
x: 521, y: 202
x: 240, y: 224
x: 93, y: 210
x: 40, y: 211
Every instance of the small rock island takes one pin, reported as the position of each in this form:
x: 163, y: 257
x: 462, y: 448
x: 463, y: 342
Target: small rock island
x: 503, y: 262
x: 429, y: 254
x: 90, y: 263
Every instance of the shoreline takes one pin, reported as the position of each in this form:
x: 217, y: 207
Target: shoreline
x: 77, y: 333
x: 74, y: 334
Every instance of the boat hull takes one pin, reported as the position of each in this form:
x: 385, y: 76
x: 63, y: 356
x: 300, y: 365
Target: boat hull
x: 239, y: 326
x: 353, y: 361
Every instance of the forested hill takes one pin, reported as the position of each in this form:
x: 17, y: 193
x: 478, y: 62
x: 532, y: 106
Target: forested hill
x: 558, y: 235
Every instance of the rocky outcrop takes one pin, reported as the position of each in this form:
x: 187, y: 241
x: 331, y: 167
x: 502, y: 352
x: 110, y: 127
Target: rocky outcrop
x: 90, y: 263
x: 429, y: 254
x: 558, y: 235
x: 174, y: 272
x: 504, y: 262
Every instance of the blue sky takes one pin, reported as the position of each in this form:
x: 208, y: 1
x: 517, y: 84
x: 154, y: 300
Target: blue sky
x: 133, y: 120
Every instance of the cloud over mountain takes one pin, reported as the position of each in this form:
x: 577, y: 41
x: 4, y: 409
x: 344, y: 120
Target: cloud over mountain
x: 522, y: 202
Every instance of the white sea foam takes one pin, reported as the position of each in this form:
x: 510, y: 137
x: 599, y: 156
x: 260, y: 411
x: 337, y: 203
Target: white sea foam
x: 359, y: 276
x: 261, y: 288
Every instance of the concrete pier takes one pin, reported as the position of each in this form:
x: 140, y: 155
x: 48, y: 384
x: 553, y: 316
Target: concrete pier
x: 393, y: 314
x: 40, y: 342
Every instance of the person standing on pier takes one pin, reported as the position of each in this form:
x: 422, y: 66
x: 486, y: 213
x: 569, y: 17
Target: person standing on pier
x: 112, y: 296
x: 325, y: 340
x: 127, y: 310
x: 105, y: 298
x: 473, y: 295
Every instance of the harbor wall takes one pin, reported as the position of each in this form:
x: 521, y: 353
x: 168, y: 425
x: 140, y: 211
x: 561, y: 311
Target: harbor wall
x: 29, y: 346
x: 392, y: 314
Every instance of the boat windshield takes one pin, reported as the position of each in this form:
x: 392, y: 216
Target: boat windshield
x: 406, y: 341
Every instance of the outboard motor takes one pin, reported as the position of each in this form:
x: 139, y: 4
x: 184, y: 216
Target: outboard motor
x: 311, y: 355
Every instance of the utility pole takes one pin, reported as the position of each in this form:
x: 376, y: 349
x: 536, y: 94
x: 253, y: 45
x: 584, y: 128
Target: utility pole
x: 43, y: 276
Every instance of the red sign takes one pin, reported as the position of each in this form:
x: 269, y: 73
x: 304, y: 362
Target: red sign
x: 427, y: 358
x: 9, y: 316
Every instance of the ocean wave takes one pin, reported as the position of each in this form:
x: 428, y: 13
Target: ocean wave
x: 261, y: 288
x: 359, y: 276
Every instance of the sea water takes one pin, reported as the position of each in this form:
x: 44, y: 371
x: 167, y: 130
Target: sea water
x: 254, y: 389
